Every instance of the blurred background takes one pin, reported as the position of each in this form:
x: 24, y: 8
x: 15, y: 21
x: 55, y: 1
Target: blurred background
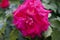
x: 9, y: 32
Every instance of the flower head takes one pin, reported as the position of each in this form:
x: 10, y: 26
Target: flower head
x: 31, y: 19
x: 4, y: 4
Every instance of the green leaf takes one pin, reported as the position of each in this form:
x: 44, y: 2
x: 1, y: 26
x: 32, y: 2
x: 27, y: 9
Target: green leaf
x: 56, y: 35
x: 55, y: 23
x: 13, y: 34
x: 51, y: 6
x: 46, y: 1
x: 21, y: 1
x: 58, y: 18
x: 48, y: 32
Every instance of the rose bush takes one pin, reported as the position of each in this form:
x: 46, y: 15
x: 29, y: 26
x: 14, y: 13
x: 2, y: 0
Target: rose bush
x: 32, y: 20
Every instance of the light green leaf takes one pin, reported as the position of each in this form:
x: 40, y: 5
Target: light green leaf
x: 13, y: 34
x: 48, y: 32
x: 55, y: 23
x: 56, y: 35
x: 46, y: 1
x: 58, y: 18
x: 51, y: 6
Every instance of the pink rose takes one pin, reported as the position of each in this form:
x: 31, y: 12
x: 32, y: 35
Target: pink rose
x: 4, y: 4
x: 31, y: 18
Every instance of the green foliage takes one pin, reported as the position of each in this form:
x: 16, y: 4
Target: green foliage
x: 55, y: 35
x: 48, y: 32
x: 13, y: 35
x: 9, y: 32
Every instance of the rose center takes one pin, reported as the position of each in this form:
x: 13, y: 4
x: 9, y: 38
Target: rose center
x: 29, y: 21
